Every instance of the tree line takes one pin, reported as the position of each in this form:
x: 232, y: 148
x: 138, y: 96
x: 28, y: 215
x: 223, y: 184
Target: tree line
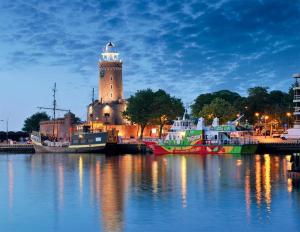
x: 260, y: 102
x: 148, y: 107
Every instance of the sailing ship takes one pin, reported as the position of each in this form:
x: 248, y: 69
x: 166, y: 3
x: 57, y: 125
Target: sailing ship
x: 80, y: 143
x: 184, y: 137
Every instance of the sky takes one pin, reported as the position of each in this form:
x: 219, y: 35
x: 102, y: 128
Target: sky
x: 184, y: 47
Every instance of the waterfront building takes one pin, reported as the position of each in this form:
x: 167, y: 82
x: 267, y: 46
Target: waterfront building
x: 111, y: 103
x: 60, y: 128
x: 105, y: 113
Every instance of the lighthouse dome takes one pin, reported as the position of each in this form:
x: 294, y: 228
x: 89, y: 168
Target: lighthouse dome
x: 110, y: 53
x: 110, y: 47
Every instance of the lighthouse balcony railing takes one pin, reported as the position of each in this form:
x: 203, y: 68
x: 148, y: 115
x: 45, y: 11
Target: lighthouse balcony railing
x: 297, y: 109
x: 296, y: 97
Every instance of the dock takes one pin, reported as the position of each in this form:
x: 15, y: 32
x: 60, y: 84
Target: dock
x: 16, y: 148
x: 279, y: 147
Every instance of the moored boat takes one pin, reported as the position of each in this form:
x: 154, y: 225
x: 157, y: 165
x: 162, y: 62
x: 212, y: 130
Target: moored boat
x: 186, y: 138
x: 79, y: 143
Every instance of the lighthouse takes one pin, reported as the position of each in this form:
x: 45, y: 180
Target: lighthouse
x: 111, y: 103
x: 294, y: 133
x: 110, y: 75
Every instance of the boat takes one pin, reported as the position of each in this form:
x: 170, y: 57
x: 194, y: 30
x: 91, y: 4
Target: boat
x: 79, y: 143
x: 184, y: 137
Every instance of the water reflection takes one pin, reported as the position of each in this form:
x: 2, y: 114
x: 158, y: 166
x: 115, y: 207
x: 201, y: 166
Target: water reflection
x: 10, y: 170
x: 183, y: 181
x: 114, y: 187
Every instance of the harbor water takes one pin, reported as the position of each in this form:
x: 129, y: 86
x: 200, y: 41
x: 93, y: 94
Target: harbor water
x: 74, y: 192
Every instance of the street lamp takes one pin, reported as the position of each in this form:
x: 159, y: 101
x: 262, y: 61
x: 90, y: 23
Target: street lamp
x: 266, y: 117
x: 288, y: 114
x: 257, y: 117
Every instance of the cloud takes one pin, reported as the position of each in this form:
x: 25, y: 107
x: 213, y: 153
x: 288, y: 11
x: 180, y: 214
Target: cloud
x: 206, y: 45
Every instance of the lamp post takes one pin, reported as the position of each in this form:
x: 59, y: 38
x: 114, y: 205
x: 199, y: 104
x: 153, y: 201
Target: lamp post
x: 266, y: 117
x: 288, y: 114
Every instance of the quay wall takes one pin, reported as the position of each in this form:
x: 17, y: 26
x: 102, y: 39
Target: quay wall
x: 16, y: 148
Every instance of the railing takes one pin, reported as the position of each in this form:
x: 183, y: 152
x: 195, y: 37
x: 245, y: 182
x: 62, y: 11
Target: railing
x: 16, y: 145
x: 232, y: 142
x: 296, y: 97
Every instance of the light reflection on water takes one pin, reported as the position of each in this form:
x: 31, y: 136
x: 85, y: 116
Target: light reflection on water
x: 146, y: 193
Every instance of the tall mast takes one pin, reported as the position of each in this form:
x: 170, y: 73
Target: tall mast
x: 93, y: 95
x: 54, y: 108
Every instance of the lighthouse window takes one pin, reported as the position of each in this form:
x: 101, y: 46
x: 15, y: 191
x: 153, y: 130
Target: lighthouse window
x: 110, y: 94
x: 110, y: 86
x: 111, y: 78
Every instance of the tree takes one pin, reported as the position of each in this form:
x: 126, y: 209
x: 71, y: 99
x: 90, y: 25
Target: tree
x: 166, y: 109
x: 32, y: 123
x: 140, y: 108
x: 219, y: 108
x: 207, y: 98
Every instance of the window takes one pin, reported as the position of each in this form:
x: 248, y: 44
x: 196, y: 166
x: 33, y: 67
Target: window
x: 110, y: 86
x: 111, y: 78
x: 110, y: 94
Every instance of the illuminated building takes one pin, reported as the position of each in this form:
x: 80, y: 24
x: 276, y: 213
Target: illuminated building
x: 110, y: 104
x: 106, y: 112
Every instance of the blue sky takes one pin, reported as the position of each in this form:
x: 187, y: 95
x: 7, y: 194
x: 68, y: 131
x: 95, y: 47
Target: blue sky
x: 185, y: 47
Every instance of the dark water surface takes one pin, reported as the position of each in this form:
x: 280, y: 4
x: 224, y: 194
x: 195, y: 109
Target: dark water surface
x: 146, y: 193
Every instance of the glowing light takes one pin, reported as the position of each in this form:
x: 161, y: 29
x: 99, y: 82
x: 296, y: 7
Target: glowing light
x: 61, y: 185
x: 80, y: 169
x: 257, y: 179
x: 154, y: 176
x: 153, y: 130
x: 248, y: 192
x: 239, y: 162
x: 267, y: 184
x: 289, y: 185
x: 183, y: 181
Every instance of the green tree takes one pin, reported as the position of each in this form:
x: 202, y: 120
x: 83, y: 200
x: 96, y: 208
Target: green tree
x: 140, y: 109
x: 218, y: 108
x: 166, y: 109
x: 32, y: 123
x: 207, y: 98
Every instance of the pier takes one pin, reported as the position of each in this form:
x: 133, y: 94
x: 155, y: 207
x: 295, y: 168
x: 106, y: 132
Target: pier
x: 17, y: 148
x: 278, y: 147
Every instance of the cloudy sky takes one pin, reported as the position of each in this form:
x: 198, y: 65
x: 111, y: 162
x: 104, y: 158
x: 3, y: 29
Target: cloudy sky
x: 185, y: 47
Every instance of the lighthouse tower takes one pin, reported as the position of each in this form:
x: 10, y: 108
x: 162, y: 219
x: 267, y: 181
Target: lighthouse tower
x: 110, y: 75
x: 110, y: 104
x: 296, y: 101
x: 294, y: 133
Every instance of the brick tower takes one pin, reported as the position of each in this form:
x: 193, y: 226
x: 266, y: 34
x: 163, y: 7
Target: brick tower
x: 111, y: 104
x: 110, y: 75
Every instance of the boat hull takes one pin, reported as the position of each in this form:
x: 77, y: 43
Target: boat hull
x: 71, y: 149
x: 204, y: 149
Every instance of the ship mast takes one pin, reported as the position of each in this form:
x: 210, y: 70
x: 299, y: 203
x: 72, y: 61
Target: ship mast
x: 54, y: 109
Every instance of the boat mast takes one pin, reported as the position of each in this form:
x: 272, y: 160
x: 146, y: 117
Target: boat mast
x: 54, y: 109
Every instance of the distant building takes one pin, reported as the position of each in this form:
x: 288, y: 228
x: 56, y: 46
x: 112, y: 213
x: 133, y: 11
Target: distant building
x: 111, y: 103
x: 61, y: 128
